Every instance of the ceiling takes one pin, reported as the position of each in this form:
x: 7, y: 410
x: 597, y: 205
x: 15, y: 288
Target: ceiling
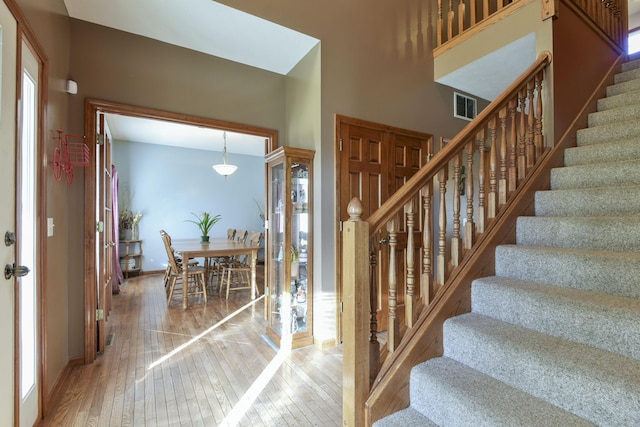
x: 136, y: 129
x: 505, y: 66
x: 214, y: 29
x: 204, y: 26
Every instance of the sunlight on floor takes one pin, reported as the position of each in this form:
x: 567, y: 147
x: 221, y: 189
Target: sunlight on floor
x: 202, y: 334
x: 256, y: 388
x: 245, y: 402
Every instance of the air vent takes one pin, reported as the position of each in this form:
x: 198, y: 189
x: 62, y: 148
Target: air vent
x: 464, y: 107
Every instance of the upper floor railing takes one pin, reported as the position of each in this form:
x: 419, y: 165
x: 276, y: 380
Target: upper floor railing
x: 455, y: 17
x: 609, y: 16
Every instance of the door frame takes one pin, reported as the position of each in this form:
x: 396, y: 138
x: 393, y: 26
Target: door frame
x: 92, y: 108
x: 25, y: 34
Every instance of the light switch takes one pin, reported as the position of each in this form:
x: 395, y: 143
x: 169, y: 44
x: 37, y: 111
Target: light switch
x: 50, y: 226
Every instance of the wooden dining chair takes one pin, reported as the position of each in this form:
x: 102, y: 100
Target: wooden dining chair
x: 237, y: 275
x: 196, y: 279
x: 167, y: 272
x: 211, y: 263
x: 240, y: 236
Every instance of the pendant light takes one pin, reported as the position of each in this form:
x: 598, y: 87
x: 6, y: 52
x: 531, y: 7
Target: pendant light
x: 224, y: 169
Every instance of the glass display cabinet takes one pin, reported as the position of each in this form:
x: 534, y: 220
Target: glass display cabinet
x: 289, y: 246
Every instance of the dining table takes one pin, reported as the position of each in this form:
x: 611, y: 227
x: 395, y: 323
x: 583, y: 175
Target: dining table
x: 216, y: 247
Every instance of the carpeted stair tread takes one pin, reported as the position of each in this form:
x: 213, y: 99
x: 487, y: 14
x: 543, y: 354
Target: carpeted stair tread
x: 615, y: 115
x: 613, y: 200
x: 452, y: 394
x: 608, y: 132
x: 600, y: 386
x: 618, y: 234
x: 627, y: 75
x: 623, y: 150
x: 632, y: 63
x: 618, y: 88
x: 615, y: 101
x: 614, y: 273
x: 597, y: 175
x: 408, y: 417
x: 580, y: 316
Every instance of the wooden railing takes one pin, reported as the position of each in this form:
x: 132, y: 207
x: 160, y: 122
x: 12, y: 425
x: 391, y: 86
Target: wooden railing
x: 609, y: 16
x: 433, y: 223
x: 455, y: 17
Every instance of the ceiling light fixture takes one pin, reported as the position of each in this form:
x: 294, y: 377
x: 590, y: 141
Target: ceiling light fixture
x: 224, y: 169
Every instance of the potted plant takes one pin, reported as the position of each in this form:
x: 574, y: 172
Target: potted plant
x: 129, y: 224
x: 204, y: 223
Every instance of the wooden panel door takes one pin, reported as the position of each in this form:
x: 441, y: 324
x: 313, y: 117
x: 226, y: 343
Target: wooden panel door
x: 362, y: 167
x: 373, y: 161
x: 104, y: 230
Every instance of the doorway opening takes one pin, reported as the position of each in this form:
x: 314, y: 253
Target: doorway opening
x: 95, y: 329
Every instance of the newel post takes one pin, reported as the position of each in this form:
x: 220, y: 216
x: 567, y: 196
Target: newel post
x: 355, y: 316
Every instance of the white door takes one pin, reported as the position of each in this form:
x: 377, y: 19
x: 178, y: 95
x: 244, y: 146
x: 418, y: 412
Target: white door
x: 29, y: 297
x: 8, y: 43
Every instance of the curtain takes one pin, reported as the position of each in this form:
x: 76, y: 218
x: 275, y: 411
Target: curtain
x: 115, y: 231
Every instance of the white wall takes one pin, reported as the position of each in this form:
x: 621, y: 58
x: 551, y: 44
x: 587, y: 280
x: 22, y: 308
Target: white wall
x: 168, y: 183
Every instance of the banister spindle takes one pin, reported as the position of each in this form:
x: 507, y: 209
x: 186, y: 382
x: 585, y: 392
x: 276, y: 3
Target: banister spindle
x: 393, y: 338
x: 522, y: 136
x: 493, y: 171
x: 442, y: 226
x: 450, y: 18
x: 456, y: 242
x: 472, y: 13
x: 428, y: 291
x: 439, y: 24
x: 485, y: 9
x: 469, y: 235
x: 539, y: 142
x: 513, y: 146
x: 461, y: 17
x: 502, y: 182
x: 482, y: 167
x: 410, y: 299
x: 374, y: 345
x: 531, y: 149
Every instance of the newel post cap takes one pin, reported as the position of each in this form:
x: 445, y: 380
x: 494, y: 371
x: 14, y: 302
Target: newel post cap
x: 355, y: 209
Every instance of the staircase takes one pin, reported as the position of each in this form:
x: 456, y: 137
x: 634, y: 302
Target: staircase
x: 554, y: 338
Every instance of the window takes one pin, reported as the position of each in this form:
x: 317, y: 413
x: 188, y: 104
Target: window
x: 464, y: 107
x: 634, y: 41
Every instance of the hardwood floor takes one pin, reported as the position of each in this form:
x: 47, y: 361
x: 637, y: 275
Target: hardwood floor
x: 200, y: 367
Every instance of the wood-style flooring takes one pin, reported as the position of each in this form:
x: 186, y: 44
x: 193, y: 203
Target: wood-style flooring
x: 207, y: 366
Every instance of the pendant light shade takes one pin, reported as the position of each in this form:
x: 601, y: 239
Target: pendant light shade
x: 224, y: 169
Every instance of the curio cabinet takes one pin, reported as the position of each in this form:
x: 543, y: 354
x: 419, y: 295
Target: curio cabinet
x: 289, y: 246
